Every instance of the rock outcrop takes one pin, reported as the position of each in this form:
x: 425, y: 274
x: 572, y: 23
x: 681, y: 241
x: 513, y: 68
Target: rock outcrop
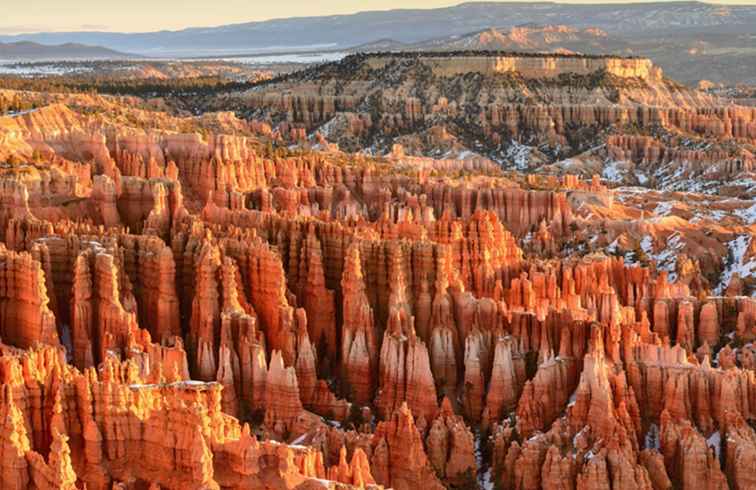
x: 208, y: 302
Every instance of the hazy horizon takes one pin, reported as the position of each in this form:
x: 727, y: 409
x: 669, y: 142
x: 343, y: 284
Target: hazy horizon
x: 92, y: 15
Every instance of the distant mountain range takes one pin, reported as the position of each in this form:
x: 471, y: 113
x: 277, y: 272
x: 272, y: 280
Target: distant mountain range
x: 417, y: 25
x: 533, y: 38
x: 30, y: 51
x: 689, y: 40
x: 686, y: 56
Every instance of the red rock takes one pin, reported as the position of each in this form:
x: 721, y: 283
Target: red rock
x: 739, y: 447
x: 57, y: 472
x: 318, y: 301
x: 25, y: 318
x: 451, y: 448
x: 355, y: 473
x: 687, y: 457
x: 558, y: 472
x: 137, y: 259
x: 506, y: 384
x: 282, y: 403
x: 359, y: 353
x: 404, y: 371
x: 708, y: 329
x: 399, y: 460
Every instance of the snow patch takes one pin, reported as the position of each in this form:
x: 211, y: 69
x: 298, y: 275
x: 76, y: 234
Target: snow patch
x: 748, y: 215
x: 518, y: 155
x: 612, y: 171
x: 327, y: 129
x: 299, y: 440
x: 663, y: 209
x: 485, y: 479
x: 652, y: 440
x: 573, y: 398
x: 736, y: 263
x: 20, y: 113
x: 34, y: 69
x: 715, y: 441
x: 666, y: 259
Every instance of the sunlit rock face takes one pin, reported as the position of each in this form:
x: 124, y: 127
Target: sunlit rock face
x: 214, y: 302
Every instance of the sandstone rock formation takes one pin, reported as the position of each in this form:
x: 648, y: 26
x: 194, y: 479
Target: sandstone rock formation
x: 191, y: 302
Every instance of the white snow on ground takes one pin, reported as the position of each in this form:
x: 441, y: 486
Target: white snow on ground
x: 647, y: 244
x: 666, y: 259
x: 631, y: 189
x: 748, y: 184
x: 629, y: 256
x: 642, y: 178
x: 33, y: 69
x: 748, y: 215
x: 612, y: 247
x: 663, y: 176
x: 692, y: 185
x: 284, y: 58
x: 576, y: 436
x: 569, y: 164
x: 327, y: 129
x: 192, y: 382
x: 299, y: 440
x: 652, y: 438
x: 573, y: 398
x: 738, y: 249
x: 663, y: 209
x: 518, y: 155
x: 485, y: 479
x: 675, y: 177
x: 612, y: 172
x: 326, y: 483
x: 715, y: 215
x: 20, y: 113
x: 715, y: 441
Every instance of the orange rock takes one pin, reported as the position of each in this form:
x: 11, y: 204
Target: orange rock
x: 404, y: 371
x: 282, y: 403
x: 451, y: 448
x: 399, y: 460
x: 687, y: 457
x: 506, y: 385
x: 359, y: 355
x: 25, y: 318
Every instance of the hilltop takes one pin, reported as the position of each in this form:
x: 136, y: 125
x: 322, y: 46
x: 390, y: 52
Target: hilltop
x: 25, y: 50
x: 537, y: 112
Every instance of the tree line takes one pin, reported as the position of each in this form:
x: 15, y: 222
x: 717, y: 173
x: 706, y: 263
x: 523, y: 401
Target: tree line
x: 140, y: 87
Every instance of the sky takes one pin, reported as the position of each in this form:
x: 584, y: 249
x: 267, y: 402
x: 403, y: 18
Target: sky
x: 20, y: 16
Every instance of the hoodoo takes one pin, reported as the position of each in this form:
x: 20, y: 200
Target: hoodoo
x: 421, y: 269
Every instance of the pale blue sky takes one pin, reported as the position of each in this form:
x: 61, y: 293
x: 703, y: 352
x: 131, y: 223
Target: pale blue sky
x: 149, y: 15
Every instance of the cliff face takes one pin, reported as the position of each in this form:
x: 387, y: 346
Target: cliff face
x: 618, y: 117
x: 254, y: 317
x: 528, y: 67
x: 25, y: 316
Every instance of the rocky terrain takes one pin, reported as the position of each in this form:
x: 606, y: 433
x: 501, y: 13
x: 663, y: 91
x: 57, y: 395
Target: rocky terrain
x: 496, y: 270
x: 560, y: 114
